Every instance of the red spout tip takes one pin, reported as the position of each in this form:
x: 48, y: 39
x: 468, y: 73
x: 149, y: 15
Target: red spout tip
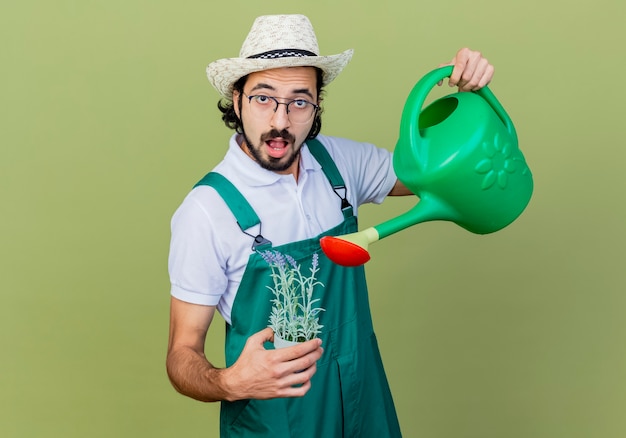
x: 342, y: 252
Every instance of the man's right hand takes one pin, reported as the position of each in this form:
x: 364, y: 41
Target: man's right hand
x: 264, y: 374
x: 258, y: 373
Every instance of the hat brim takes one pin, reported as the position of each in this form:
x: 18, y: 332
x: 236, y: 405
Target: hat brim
x: 223, y: 73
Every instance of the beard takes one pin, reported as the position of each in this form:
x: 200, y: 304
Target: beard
x: 271, y: 163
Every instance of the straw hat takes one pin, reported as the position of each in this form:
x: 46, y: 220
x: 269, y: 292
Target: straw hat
x: 276, y: 41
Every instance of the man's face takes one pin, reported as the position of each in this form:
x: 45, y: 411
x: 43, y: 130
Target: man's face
x: 271, y: 138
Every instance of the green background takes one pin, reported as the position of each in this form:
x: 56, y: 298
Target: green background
x: 108, y: 119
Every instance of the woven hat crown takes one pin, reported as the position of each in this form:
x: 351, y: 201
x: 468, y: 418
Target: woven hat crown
x: 276, y: 41
x: 271, y: 33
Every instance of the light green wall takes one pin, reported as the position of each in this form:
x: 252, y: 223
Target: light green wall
x: 107, y: 120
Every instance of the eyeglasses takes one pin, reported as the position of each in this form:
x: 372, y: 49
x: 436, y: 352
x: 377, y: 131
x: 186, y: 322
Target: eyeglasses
x: 298, y: 110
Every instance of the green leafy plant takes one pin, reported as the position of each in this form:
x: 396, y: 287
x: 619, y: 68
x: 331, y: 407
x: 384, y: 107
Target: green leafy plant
x: 293, y: 316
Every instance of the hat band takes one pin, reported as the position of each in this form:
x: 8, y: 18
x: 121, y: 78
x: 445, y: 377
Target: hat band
x: 282, y: 53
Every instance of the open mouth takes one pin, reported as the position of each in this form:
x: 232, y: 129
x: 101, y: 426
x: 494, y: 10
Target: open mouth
x: 277, y: 147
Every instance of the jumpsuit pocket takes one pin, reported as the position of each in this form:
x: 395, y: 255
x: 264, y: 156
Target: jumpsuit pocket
x: 349, y: 383
x: 367, y: 405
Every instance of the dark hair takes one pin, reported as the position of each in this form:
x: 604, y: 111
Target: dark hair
x: 233, y: 122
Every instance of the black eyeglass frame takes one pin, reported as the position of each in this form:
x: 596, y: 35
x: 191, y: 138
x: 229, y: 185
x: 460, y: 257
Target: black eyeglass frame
x: 316, y: 107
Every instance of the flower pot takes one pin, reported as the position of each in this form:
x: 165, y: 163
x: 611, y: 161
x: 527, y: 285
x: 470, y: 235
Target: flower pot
x: 282, y: 343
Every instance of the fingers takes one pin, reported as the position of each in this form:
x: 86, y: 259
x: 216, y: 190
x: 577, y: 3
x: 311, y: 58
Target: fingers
x: 293, y: 368
x: 297, y: 384
x: 477, y: 74
x: 262, y: 374
x: 265, y: 335
x: 300, y: 350
x: 472, y: 70
x: 300, y: 359
x: 303, y: 362
x: 300, y: 367
x: 487, y: 76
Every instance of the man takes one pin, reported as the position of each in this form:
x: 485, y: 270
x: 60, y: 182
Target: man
x: 282, y: 186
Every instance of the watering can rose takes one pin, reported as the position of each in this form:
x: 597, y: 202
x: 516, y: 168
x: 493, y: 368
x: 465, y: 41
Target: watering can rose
x: 293, y: 316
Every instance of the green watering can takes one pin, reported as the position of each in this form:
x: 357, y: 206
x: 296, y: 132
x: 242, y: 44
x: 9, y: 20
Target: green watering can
x: 460, y: 156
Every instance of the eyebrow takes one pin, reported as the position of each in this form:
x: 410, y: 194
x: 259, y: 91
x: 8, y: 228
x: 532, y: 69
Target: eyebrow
x: 264, y: 86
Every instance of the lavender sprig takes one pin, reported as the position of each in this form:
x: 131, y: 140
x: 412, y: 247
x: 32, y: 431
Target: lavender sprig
x: 293, y: 316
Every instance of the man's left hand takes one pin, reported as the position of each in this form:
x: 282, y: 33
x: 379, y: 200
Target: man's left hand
x: 471, y: 70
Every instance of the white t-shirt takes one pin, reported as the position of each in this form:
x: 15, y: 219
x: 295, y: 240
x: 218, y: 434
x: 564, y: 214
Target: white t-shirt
x: 208, y: 250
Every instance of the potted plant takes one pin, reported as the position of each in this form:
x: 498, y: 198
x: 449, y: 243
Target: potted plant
x: 293, y: 316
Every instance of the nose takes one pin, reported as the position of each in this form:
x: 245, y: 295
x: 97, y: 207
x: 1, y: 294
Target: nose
x: 280, y: 118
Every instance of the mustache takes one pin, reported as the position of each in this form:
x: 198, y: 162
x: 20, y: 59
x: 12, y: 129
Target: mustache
x: 274, y: 133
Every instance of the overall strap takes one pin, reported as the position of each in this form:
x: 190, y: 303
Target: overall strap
x: 241, y: 209
x: 332, y: 173
x: 244, y: 213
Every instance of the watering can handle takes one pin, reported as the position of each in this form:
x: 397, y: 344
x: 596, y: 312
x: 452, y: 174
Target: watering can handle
x: 421, y: 90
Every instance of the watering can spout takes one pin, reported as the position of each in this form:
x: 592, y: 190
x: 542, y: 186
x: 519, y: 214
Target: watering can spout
x: 460, y: 156
x: 349, y: 249
x: 352, y: 249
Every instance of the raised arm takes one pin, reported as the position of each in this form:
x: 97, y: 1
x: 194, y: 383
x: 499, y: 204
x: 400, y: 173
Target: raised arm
x: 258, y: 373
